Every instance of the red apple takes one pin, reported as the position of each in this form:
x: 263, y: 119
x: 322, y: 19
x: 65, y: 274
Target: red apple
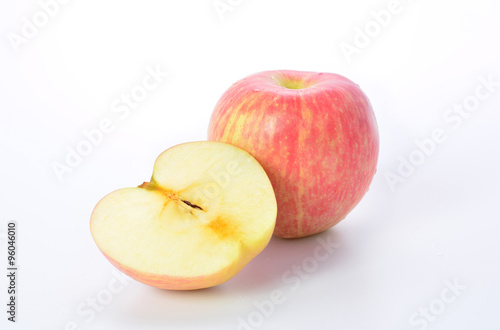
x: 314, y: 134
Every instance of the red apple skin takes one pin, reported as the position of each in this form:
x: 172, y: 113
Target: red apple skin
x: 318, y: 144
x: 178, y: 283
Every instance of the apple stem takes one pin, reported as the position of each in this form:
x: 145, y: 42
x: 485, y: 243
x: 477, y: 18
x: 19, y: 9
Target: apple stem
x: 192, y: 205
x: 154, y: 186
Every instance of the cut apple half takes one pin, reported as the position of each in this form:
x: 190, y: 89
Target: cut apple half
x: 207, y: 211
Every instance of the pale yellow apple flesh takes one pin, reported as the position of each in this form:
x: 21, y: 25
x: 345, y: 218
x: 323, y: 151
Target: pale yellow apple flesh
x: 208, y: 210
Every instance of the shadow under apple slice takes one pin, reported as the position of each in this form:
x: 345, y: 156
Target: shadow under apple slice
x: 282, y: 263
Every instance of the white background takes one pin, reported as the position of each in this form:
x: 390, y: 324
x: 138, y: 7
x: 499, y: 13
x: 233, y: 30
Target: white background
x: 396, y: 250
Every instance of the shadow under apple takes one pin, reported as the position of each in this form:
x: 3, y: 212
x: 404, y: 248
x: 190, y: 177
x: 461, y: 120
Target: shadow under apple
x: 256, y: 281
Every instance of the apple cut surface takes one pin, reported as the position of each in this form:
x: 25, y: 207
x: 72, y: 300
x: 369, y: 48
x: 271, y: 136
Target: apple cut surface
x: 208, y: 210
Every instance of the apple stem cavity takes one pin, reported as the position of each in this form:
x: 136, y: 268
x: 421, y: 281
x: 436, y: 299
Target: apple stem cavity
x: 148, y: 185
x: 291, y: 82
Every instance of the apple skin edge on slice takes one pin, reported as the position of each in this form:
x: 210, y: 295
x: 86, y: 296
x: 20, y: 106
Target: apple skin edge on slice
x: 208, y: 210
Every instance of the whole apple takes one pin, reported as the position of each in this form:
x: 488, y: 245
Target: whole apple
x: 314, y: 134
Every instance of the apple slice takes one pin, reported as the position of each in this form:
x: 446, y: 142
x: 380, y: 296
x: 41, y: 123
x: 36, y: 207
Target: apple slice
x: 208, y: 210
